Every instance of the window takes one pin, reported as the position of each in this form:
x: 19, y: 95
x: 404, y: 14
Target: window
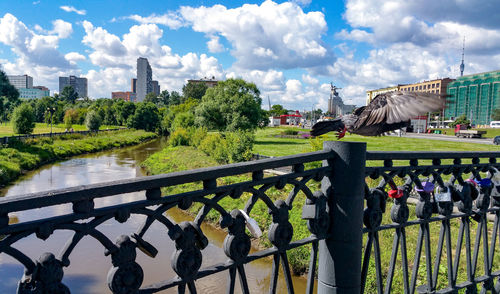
x: 425, y: 87
x: 413, y: 88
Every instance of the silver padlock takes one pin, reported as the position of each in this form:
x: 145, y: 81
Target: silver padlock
x: 252, y: 225
x: 443, y: 196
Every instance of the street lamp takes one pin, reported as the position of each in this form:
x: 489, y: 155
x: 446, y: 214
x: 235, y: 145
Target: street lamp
x: 51, y: 110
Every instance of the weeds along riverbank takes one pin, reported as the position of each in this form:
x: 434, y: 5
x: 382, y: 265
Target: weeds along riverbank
x: 18, y: 157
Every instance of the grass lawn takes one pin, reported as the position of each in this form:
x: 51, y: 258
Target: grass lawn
x: 40, y: 128
x: 267, y: 144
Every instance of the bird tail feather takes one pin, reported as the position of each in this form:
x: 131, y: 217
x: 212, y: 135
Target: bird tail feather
x: 323, y: 127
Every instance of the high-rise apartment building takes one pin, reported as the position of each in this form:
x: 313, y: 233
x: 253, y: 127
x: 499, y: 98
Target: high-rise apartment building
x: 133, y: 83
x: 144, y: 84
x: 21, y: 81
x: 78, y: 84
x: 156, y: 88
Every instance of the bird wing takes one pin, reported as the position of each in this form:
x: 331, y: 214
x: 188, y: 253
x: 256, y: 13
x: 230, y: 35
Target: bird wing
x: 396, y: 107
x: 326, y: 126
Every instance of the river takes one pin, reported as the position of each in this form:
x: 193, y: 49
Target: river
x: 88, y: 269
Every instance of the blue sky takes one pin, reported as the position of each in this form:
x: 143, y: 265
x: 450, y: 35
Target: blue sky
x: 292, y: 50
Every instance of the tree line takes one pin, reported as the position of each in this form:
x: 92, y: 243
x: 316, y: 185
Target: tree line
x: 232, y: 105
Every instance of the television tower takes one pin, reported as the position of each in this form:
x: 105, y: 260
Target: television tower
x: 462, y: 66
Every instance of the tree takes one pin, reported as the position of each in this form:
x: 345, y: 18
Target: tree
x: 151, y: 97
x: 23, y: 119
x: 175, y: 98
x: 146, y: 117
x: 68, y: 94
x: 194, y: 90
x: 461, y: 120
x: 231, y: 105
x: 70, y: 118
x: 164, y: 98
x: 93, y: 121
x: 277, y: 110
x: 7, y: 89
x: 495, y: 115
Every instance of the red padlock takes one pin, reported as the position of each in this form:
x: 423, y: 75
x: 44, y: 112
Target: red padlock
x: 396, y: 193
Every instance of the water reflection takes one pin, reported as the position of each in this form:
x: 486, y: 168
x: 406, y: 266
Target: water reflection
x: 88, y: 270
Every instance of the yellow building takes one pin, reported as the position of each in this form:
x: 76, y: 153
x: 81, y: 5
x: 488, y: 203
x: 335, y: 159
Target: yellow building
x: 373, y: 93
x: 437, y: 86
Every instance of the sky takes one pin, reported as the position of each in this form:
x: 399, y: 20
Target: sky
x: 292, y: 50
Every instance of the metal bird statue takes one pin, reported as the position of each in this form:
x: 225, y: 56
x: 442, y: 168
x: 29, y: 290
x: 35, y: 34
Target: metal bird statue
x: 387, y: 112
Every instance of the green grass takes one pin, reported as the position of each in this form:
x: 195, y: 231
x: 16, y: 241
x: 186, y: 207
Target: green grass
x: 173, y: 159
x: 41, y: 128
x: 267, y: 144
x: 18, y: 156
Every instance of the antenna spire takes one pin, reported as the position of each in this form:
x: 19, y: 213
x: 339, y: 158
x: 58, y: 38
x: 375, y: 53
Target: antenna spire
x: 462, y: 66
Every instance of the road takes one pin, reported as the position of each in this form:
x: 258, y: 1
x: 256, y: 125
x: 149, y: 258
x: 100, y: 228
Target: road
x: 487, y: 141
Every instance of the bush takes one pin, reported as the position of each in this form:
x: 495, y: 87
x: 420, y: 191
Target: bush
x: 240, y: 145
x: 180, y: 137
x: 215, y: 146
x: 183, y: 120
x: 197, y: 136
x: 290, y: 132
x: 70, y: 118
x: 23, y: 119
x: 93, y: 121
x: 146, y: 117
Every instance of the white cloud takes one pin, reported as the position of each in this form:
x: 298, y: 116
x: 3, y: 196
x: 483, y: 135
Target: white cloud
x: 170, y: 19
x: 73, y: 9
x: 61, y: 28
x: 265, y: 36
x: 32, y: 48
x: 116, y: 57
x: 214, y: 45
x: 74, y: 57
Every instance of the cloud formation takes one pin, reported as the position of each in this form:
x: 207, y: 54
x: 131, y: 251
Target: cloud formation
x: 116, y: 59
x: 265, y: 36
x: 37, y: 54
x: 73, y: 9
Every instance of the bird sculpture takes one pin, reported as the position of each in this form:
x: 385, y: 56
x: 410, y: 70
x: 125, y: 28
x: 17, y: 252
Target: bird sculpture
x: 386, y: 112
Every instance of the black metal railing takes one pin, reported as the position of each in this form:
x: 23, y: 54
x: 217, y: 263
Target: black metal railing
x: 6, y: 139
x: 453, y: 192
x: 333, y: 210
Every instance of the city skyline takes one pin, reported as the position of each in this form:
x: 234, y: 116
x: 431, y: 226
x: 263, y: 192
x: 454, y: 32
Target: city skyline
x: 291, y: 50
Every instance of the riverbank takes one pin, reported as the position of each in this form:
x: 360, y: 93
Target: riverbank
x: 18, y: 157
x: 173, y: 159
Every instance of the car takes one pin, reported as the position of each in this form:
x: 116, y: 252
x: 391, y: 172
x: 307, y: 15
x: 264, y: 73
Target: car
x: 496, y: 140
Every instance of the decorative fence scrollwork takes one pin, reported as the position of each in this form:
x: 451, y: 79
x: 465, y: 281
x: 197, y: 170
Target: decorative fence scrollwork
x: 409, y: 195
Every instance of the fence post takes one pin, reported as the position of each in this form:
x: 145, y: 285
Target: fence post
x: 339, y: 261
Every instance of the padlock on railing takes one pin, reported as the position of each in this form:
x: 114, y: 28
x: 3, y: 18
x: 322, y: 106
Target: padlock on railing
x: 395, y: 194
x: 252, y: 225
x: 427, y: 187
x: 442, y: 194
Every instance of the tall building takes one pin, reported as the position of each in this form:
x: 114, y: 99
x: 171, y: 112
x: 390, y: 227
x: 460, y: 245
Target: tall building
x: 21, y: 81
x: 78, y: 84
x: 133, y: 84
x: 156, y: 88
x: 144, y: 84
x: 475, y: 95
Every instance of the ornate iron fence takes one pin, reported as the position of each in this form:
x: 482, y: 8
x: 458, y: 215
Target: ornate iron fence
x: 334, y: 217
